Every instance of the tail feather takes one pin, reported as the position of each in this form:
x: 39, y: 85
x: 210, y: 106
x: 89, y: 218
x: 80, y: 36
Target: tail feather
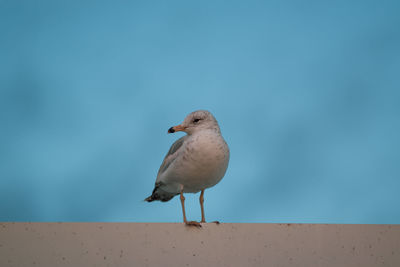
x: 159, y: 194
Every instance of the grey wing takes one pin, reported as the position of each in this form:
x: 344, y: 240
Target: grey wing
x: 171, y: 156
x: 159, y: 193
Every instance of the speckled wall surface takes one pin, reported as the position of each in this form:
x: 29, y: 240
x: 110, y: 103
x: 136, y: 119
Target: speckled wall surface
x: 173, y: 244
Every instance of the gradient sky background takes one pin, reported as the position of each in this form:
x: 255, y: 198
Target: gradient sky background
x: 307, y: 95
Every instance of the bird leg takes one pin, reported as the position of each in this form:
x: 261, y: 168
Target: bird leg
x: 203, y: 218
x: 189, y: 223
x: 183, y: 206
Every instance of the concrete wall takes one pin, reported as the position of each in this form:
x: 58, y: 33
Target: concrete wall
x: 173, y: 244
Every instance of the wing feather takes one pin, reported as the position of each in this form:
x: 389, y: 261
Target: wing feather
x: 159, y: 193
x: 172, y: 154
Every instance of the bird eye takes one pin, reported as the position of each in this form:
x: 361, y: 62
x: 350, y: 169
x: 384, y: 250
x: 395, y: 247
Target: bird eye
x: 196, y: 120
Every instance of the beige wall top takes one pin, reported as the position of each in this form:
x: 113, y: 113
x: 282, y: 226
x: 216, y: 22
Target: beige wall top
x: 174, y: 244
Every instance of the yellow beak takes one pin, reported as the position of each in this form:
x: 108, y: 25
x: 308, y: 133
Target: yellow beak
x: 177, y: 128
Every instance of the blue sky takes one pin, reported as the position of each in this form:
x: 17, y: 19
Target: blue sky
x: 306, y: 93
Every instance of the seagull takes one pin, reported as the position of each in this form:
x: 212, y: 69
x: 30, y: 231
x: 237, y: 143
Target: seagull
x: 195, y: 162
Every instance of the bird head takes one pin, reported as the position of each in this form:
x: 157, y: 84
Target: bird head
x: 196, y: 121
